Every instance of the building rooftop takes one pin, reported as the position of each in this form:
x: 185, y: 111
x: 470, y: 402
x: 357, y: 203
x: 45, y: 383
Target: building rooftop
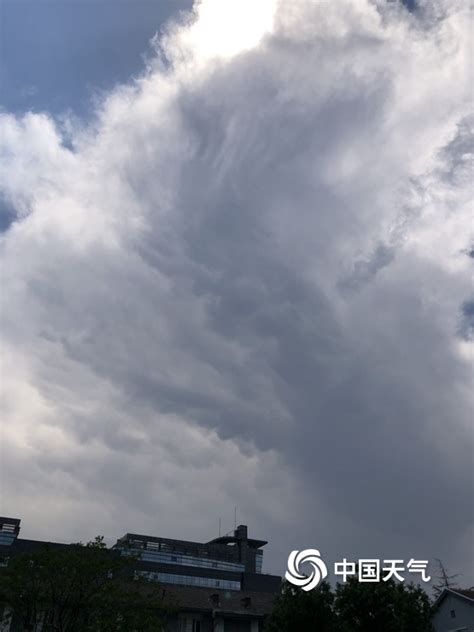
x: 230, y: 539
x: 464, y: 592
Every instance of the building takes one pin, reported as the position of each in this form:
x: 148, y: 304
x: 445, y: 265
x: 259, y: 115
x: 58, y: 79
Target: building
x: 217, y: 586
x: 454, y: 611
x: 219, y: 583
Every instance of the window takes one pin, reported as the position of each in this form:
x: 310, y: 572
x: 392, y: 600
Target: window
x: 453, y: 614
x: 184, y: 560
x: 189, y: 625
x: 187, y: 580
x: 153, y: 546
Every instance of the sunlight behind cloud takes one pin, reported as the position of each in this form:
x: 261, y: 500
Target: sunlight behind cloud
x: 226, y: 28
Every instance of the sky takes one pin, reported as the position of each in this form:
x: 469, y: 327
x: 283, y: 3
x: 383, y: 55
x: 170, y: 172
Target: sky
x: 61, y: 56
x: 236, y: 272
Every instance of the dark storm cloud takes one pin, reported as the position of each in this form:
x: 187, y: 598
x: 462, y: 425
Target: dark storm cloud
x: 243, y: 287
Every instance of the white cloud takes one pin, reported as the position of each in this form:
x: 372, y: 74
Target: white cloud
x: 242, y: 282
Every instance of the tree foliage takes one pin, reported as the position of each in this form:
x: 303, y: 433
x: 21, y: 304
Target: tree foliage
x: 387, y: 606
x: 352, y: 607
x: 296, y: 609
x: 78, y: 587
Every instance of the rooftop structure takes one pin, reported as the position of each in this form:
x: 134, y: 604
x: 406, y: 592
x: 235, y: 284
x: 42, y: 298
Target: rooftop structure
x: 232, y: 561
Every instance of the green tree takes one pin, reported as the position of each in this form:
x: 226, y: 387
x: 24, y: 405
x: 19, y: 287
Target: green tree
x: 387, y: 606
x: 297, y: 610
x: 82, y: 588
x: 352, y: 607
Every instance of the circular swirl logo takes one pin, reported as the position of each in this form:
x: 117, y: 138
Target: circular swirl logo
x: 308, y: 556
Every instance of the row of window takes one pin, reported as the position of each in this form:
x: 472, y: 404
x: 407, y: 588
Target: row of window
x: 151, y: 545
x: 190, y: 580
x: 185, y: 560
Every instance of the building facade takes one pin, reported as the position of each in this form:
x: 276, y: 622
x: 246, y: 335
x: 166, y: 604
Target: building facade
x: 454, y: 611
x: 219, y: 584
x: 216, y: 586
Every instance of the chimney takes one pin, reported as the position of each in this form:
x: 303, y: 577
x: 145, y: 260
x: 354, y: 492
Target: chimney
x: 241, y: 532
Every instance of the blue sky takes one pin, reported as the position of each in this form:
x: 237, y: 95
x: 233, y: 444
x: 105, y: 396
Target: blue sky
x: 56, y: 53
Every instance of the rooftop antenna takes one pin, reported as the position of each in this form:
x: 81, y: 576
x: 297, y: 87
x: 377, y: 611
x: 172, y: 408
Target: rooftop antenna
x: 235, y: 517
x: 220, y: 527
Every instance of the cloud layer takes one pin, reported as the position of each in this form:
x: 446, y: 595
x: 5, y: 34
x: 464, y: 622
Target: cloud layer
x: 246, y: 282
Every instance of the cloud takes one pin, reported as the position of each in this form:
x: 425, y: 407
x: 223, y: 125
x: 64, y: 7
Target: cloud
x: 241, y: 284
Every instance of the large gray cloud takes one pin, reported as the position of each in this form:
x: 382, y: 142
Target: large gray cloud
x: 245, y: 283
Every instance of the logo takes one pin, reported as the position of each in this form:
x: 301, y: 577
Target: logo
x: 362, y: 570
x: 308, y: 556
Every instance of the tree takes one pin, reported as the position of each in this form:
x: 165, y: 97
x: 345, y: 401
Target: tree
x: 388, y: 606
x: 353, y: 607
x: 444, y: 579
x: 78, y: 587
x: 296, y: 609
